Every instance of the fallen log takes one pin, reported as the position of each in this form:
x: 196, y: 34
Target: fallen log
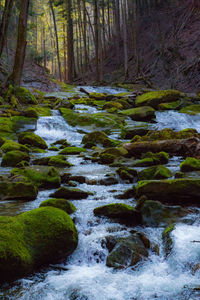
x: 183, y: 147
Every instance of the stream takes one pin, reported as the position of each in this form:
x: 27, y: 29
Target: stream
x: 84, y: 275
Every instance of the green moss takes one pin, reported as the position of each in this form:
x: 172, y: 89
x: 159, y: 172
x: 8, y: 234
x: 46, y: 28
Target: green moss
x: 155, y: 172
x: 113, y: 104
x: 98, y: 138
x: 190, y: 164
x: 144, y: 113
x: 167, y: 239
x: 56, y: 161
x: 169, y: 106
x: 24, y: 96
x: 32, y: 139
x: 12, y: 158
x: 98, y: 96
x: 63, y: 204
x: 191, y: 109
x: 18, y: 191
x: 47, y: 177
x: 28, y: 244
x: 126, y: 173
x: 72, y: 150
x: 70, y: 193
x: 53, y: 148
x: 11, y: 146
x: 161, y: 157
x: 153, y: 99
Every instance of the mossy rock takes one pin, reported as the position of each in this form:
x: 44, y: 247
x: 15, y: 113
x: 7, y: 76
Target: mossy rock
x: 72, y: 151
x: 127, y: 174
x: 42, y: 177
x: 12, y: 158
x: 146, y: 162
x: 58, y: 161
x: 30, y: 112
x: 109, y: 155
x: 128, y: 251
x: 190, y: 164
x: 170, y: 106
x: 98, y: 96
x: 162, y: 157
x: 18, y: 191
x: 27, y: 243
x: 98, y: 138
x: 113, y: 104
x: 154, y: 213
x: 24, y: 96
x: 107, y: 158
x: 167, y: 239
x: 32, y: 139
x: 63, y: 204
x: 128, y: 132
x: 191, y: 109
x: 9, y: 145
x: 53, y: 148
x: 98, y: 120
x: 122, y: 212
x: 144, y: 113
x: 37, y: 111
x: 155, y: 98
x: 6, y: 126
x: 155, y: 172
x: 70, y: 193
x: 184, y: 191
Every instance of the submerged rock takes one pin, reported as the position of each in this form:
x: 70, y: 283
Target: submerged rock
x: 177, y: 191
x: 32, y: 139
x: 34, y: 239
x: 18, y: 191
x: 63, y: 204
x: 128, y: 251
x: 124, y: 213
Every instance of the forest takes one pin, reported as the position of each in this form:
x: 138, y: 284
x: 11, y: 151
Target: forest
x: 99, y: 149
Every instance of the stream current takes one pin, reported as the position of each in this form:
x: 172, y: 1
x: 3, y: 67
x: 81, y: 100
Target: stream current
x: 84, y: 275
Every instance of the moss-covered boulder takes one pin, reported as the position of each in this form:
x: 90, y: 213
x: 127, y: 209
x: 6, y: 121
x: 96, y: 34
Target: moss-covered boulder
x: 177, y: 191
x: 191, y: 109
x: 122, y: 212
x: 9, y: 145
x: 24, y: 96
x: 155, y: 98
x: 190, y: 164
x: 37, y: 111
x: 167, y: 239
x: 128, y: 251
x: 70, y: 193
x: 113, y: 104
x: 41, y: 176
x: 58, y: 161
x: 162, y: 157
x: 109, y: 155
x: 144, y: 113
x: 98, y: 138
x: 127, y: 174
x: 32, y: 139
x: 12, y: 158
x: 63, y: 204
x: 34, y: 239
x: 155, y: 172
x: 98, y: 96
x: 72, y: 151
x: 170, y: 106
x: 18, y: 191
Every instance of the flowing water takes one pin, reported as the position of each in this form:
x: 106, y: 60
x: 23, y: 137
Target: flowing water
x: 84, y: 276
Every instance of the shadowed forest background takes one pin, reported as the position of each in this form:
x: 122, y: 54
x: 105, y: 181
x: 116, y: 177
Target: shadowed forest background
x: 152, y: 42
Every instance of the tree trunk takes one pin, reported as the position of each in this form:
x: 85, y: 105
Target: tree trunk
x: 96, y: 29
x: 57, y: 44
x: 15, y: 77
x: 4, y: 23
x: 70, y: 42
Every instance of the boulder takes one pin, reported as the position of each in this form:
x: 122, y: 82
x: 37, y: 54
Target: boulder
x: 127, y: 174
x: 12, y: 158
x: 18, y: 191
x: 177, y: 191
x: 190, y: 164
x: 155, y: 172
x: 128, y: 251
x: 41, y: 176
x: 170, y: 106
x: 122, y: 212
x: 98, y: 138
x: 58, y: 161
x: 72, y: 151
x: 9, y: 145
x: 32, y: 139
x: 24, y: 96
x: 144, y: 113
x: 167, y: 239
x: 70, y: 193
x: 191, y: 109
x: 63, y: 204
x: 155, y: 98
x: 27, y: 243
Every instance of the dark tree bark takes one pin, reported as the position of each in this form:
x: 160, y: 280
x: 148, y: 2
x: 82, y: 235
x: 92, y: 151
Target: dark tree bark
x: 70, y: 42
x: 4, y: 23
x: 15, y: 77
